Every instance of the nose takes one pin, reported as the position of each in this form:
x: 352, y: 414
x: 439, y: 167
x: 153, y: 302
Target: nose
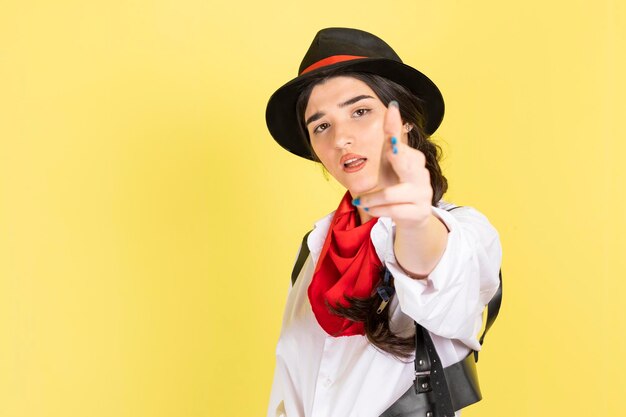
x: 343, y: 136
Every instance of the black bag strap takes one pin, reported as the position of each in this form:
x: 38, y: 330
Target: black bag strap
x: 302, y: 255
x: 429, y: 374
x: 493, y: 308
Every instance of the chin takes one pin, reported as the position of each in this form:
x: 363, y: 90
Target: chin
x: 361, y: 187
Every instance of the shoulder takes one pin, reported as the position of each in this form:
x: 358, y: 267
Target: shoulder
x: 445, y: 205
x: 317, y: 236
x: 456, y: 208
x: 466, y: 221
x: 458, y: 211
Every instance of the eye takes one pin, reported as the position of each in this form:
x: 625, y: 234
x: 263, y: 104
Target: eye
x: 320, y: 128
x: 361, y: 112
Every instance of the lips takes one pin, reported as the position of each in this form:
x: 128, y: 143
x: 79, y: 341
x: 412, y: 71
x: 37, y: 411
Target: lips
x: 353, y: 162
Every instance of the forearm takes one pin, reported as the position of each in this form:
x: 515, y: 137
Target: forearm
x: 418, y: 248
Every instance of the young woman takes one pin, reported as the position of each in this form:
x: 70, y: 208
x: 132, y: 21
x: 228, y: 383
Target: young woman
x: 387, y: 305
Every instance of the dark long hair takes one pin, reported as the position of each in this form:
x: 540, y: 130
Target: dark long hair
x: 364, y: 309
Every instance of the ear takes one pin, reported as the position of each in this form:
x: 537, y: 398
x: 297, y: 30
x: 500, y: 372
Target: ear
x: 406, y: 128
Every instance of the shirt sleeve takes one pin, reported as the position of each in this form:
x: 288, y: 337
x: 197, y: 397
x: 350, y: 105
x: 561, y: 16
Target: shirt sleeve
x: 451, y: 300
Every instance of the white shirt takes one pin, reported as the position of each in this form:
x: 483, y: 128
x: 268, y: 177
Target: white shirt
x: 318, y: 375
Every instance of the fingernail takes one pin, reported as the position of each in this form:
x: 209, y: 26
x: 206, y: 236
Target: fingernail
x: 356, y: 201
x: 394, y: 140
x: 366, y: 209
x: 395, y: 149
x: 393, y: 103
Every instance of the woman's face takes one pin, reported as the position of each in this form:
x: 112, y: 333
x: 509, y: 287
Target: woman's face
x: 344, y: 118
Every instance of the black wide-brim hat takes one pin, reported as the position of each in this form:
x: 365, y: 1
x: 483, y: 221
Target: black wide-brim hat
x: 353, y: 50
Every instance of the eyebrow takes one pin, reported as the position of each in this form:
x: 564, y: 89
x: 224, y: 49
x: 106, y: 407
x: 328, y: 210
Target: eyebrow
x: 319, y: 115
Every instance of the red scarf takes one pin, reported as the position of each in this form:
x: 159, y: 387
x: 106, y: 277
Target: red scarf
x: 347, y: 266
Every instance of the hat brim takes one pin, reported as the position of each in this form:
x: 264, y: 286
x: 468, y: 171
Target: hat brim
x: 281, y: 116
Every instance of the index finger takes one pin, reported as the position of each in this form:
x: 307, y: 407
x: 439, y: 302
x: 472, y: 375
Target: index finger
x: 392, y: 125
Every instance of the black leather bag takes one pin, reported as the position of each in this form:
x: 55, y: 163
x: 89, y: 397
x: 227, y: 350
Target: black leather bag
x: 437, y: 391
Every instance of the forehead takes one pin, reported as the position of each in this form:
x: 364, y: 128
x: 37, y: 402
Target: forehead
x: 328, y: 95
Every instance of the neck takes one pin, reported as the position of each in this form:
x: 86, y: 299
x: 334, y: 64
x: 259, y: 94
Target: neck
x: 365, y: 217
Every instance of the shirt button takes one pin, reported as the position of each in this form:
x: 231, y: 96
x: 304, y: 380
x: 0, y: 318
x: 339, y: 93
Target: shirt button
x: 327, y: 383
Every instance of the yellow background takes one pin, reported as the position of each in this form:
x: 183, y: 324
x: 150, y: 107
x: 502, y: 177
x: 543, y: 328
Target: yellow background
x: 148, y: 222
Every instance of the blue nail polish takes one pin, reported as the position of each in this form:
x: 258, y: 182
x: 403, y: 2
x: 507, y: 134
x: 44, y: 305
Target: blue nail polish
x: 394, y: 140
x: 395, y: 149
x: 356, y: 201
x: 366, y: 209
x: 393, y: 103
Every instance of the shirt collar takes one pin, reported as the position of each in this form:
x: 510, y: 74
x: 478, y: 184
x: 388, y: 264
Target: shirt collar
x: 316, y: 238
